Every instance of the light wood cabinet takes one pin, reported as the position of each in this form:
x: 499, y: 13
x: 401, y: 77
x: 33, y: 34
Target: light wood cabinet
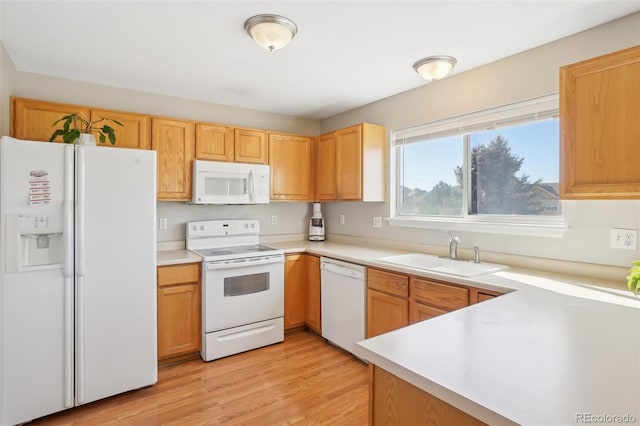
x: 395, y: 300
x: 349, y: 163
x: 432, y: 298
x: 387, y: 303
x: 214, y: 142
x: 358, y: 153
x: 302, y: 292
x: 295, y: 297
x: 599, y: 110
x: 393, y: 401
x: 174, y: 142
x: 291, y: 167
x: 250, y: 146
x: 135, y: 131
x: 313, y: 311
x: 477, y: 295
x: 33, y: 119
x: 325, y: 166
x: 179, y: 320
x: 385, y: 313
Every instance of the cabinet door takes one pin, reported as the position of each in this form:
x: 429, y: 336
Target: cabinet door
x: 385, y: 313
x: 290, y: 160
x: 325, y: 166
x: 312, y: 318
x: 420, y: 312
x: 173, y: 140
x: 178, y: 320
x: 251, y: 146
x: 599, y: 110
x: 294, y: 291
x: 349, y: 163
x: 135, y: 131
x: 33, y: 119
x: 214, y: 142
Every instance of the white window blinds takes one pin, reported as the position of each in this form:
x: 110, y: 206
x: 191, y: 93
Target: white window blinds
x: 542, y: 108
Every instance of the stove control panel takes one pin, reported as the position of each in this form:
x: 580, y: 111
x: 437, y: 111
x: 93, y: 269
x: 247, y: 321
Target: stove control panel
x: 221, y: 228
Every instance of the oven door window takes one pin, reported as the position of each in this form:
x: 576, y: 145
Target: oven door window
x: 246, y: 284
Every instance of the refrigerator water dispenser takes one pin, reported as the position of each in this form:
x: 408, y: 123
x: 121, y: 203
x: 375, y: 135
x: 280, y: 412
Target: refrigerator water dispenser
x: 37, y: 242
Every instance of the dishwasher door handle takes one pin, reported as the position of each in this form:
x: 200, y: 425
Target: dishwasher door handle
x: 342, y: 270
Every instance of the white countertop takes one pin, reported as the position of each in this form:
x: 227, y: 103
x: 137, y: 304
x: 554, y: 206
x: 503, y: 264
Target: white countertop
x: 555, y: 348
x: 174, y: 257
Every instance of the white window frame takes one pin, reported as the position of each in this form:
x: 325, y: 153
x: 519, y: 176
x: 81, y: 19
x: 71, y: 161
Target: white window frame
x: 508, y: 115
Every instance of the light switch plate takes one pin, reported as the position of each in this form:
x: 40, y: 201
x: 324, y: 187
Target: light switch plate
x: 162, y: 223
x: 377, y: 222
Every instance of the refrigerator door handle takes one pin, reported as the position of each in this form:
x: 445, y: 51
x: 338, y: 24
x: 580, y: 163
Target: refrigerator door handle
x: 80, y: 271
x: 68, y: 235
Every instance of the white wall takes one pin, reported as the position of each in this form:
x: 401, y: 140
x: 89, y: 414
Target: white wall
x: 292, y: 218
x: 526, y: 75
x: 7, y: 82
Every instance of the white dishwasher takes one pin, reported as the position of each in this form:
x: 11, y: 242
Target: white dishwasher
x: 343, y: 299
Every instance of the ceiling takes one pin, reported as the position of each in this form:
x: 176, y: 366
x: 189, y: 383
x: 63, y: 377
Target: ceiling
x: 346, y: 53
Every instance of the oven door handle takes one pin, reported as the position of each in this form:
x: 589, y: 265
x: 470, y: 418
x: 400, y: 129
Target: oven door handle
x: 241, y: 263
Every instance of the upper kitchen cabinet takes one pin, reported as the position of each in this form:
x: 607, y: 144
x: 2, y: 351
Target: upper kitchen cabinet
x: 291, y: 167
x: 33, y: 119
x: 135, y: 131
x: 174, y: 142
x: 325, y: 162
x: 214, y: 142
x: 351, y: 164
x: 600, y: 130
x: 250, y: 146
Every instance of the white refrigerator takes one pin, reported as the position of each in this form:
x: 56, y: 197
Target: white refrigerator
x: 77, y: 275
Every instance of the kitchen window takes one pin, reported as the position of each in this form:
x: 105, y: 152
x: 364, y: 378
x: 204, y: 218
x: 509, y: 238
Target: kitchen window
x: 494, y: 171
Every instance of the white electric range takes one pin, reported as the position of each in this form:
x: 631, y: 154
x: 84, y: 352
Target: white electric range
x: 242, y: 287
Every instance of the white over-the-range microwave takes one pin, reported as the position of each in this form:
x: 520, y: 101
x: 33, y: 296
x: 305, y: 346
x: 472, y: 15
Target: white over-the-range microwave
x: 217, y: 182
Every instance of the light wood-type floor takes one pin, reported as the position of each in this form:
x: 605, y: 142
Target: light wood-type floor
x: 303, y: 381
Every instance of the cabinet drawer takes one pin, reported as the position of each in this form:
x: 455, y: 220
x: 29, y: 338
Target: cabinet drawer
x: 388, y: 282
x: 169, y: 275
x: 442, y: 295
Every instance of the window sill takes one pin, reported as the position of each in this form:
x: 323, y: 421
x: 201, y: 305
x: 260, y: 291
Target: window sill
x: 551, y: 229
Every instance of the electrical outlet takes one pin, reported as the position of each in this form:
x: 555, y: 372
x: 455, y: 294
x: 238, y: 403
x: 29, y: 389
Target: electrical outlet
x: 163, y: 223
x: 274, y: 219
x: 377, y: 222
x: 341, y: 219
x: 624, y: 239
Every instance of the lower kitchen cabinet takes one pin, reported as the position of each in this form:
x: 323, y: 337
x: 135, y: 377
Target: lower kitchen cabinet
x: 295, y: 297
x: 312, y: 315
x: 302, y: 292
x: 395, y: 300
x: 393, y: 401
x: 179, y: 319
x: 432, y: 298
x: 387, y: 303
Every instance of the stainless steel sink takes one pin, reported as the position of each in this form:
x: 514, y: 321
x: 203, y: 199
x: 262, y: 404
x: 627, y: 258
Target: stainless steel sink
x: 428, y: 262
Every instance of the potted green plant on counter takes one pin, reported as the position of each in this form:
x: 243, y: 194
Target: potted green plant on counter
x: 633, y: 279
x: 77, y: 129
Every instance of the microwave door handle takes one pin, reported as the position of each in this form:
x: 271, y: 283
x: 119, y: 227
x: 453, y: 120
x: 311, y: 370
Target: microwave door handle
x: 251, y: 187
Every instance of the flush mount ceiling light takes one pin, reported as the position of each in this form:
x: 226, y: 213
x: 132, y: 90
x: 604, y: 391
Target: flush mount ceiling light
x: 434, y: 67
x: 271, y: 31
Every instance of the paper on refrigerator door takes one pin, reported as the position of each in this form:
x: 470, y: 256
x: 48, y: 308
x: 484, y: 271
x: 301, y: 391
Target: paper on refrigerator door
x: 39, y: 188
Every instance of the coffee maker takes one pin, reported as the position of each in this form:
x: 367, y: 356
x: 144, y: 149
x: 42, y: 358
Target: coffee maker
x: 316, y: 224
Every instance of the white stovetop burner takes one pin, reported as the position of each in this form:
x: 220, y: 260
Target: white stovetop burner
x: 227, y: 239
